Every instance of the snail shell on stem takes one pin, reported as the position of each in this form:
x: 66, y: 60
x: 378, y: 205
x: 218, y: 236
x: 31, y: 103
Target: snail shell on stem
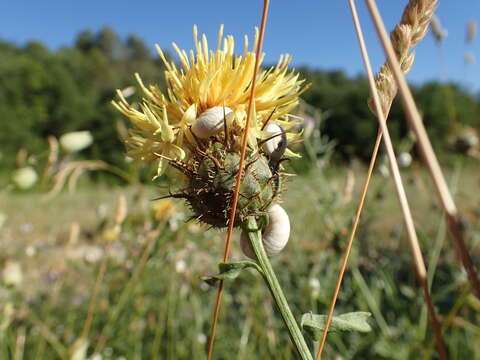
x: 274, y: 236
x: 211, y: 121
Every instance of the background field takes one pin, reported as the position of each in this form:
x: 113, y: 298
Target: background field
x: 99, y: 270
x: 152, y: 303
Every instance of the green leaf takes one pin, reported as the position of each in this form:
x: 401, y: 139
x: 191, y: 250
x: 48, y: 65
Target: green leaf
x: 230, y: 270
x: 314, y: 324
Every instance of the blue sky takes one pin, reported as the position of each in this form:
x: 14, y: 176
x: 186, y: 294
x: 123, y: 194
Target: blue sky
x: 317, y: 33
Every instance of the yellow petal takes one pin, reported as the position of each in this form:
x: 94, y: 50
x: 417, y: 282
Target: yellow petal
x: 190, y: 115
x: 167, y: 131
x: 290, y: 154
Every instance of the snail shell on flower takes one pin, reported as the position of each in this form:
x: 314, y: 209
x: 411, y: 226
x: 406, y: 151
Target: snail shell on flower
x: 275, y: 147
x: 271, y: 145
x: 274, y: 236
x: 210, y: 122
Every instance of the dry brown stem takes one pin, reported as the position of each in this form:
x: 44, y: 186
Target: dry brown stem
x: 409, y: 224
x: 51, y: 161
x: 226, y: 252
x: 427, y: 152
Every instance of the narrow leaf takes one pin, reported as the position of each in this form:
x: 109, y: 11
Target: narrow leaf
x: 230, y: 270
x: 314, y: 324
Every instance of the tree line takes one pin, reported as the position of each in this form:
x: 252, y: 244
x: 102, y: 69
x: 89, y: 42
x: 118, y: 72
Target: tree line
x: 46, y: 92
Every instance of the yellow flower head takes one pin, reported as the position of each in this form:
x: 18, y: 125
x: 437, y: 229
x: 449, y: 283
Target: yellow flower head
x: 203, y: 80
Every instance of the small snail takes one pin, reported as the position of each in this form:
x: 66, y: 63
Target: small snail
x: 211, y: 121
x: 274, y: 236
x: 275, y: 146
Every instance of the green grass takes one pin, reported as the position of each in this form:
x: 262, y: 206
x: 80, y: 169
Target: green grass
x: 166, y: 312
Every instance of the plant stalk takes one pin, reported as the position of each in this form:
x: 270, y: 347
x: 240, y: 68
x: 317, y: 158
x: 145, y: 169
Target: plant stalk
x: 255, y: 237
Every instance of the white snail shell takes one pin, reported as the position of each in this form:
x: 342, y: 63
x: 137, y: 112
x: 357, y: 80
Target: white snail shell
x: 271, y: 145
x: 210, y: 122
x: 275, y: 235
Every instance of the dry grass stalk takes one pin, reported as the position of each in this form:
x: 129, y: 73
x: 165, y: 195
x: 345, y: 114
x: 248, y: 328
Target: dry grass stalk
x: 412, y: 28
x: 469, y: 58
x: 122, y: 210
x: 439, y: 33
x: 51, y: 160
x: 120, y: 216
x: 74, y: 169
x: 73, y: 234
x: 348, y: 189
x: 427, y: 152
x: 21, y: 158
x: 409, y: 32
x: 409, y: 224
x: 471, y: 31
x: 150, y: 240
x: 410, y: 227
x: 258, y: 58
x: 343, y: 266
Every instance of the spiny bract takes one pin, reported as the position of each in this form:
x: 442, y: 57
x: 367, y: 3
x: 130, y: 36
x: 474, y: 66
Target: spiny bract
x: 211, y: 177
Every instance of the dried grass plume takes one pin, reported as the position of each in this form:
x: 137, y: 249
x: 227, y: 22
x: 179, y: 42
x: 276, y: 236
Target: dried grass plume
x: 412, y: 28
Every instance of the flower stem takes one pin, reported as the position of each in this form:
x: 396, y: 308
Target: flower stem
x: 295, y: 333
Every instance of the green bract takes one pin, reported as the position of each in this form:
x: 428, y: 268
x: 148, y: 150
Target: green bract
x: 211, y: 182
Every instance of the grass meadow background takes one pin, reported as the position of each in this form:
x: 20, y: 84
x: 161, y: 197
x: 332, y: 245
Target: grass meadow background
x: 99, y: 270
x: 152, y: 303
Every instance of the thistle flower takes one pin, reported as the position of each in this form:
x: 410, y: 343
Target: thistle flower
x: 205, y: 80
x: 198, y: 125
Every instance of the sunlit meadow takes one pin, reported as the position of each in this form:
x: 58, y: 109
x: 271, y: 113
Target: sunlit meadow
x: 111, y: 233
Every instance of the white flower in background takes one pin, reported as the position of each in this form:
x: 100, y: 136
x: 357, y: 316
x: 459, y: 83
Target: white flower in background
x: 468, y: 138
x: 102, y: 210
x: 384, y: 170
x: 12, y: 273
x: 404, y: 159
x: 128, y: 91
x: 8, y: 315
x: 24, y: 178
x: 314, y: 285
x: 93, y: 254
x: 201, y: 338
x: 79, y: 349
x: 180, y: 266
x: 26, y: 227
x: 176, y: 220
x: 76, y: 141
x: 30, y: 251
x: 308, y: 126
